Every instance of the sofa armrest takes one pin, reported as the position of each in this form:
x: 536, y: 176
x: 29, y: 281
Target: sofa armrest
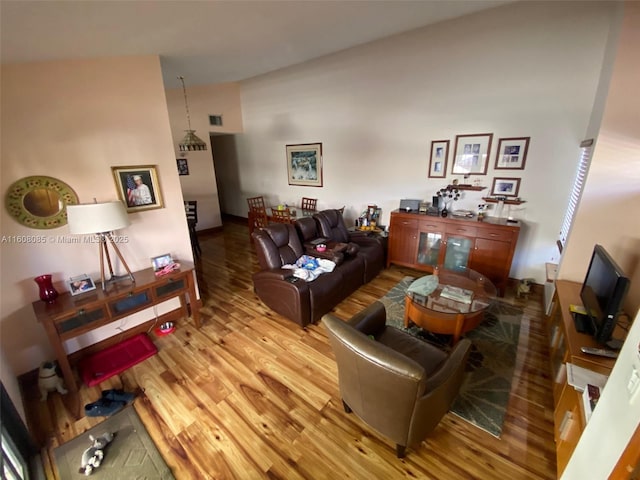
x: 329, y: 254
x: 275, y: 274
x: 371, y: 320
x: 288, y: 298
x: 362, y: 238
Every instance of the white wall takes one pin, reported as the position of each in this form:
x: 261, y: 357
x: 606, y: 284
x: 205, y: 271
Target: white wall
x: 74, y: 120
x: 526, y: 69
x: 608, y: 215
x: 200, y: 185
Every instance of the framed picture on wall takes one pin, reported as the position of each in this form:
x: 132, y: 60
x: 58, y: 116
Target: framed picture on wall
x: 183, y: 166
x: 471, y: 154
x: 138, y: 187
x: 304, y: 164
x: 505, y: 187
x: 438, y: 158
x: 512, y: 153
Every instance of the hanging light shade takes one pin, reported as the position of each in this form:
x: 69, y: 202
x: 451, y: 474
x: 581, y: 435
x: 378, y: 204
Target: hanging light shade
x: 190, y: 142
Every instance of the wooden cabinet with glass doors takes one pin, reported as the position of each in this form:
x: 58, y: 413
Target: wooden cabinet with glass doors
x: 423, y: 242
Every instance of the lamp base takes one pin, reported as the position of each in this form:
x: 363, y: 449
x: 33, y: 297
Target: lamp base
x: 115, y: 279
x: 104, y: 252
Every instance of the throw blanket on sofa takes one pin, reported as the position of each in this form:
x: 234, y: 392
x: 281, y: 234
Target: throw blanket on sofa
x: 309, y: 268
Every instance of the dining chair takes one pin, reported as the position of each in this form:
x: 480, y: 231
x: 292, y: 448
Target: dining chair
x: 257, y: 215
x: 309, y: 203
x: 191, y: 211
x: 281, y: 216
x: 256, y: 203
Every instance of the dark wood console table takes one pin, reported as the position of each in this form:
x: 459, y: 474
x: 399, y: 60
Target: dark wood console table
x: 71, y: 316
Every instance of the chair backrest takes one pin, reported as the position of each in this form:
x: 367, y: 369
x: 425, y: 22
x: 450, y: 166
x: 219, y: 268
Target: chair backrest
x: 307, y: 228
x: 256, y: 203
x: 281, y: 216
x: 309, y: 203
x: 332, y: 225
x: 191, y: 210
x: 387, y: 389
x: 277, y: 244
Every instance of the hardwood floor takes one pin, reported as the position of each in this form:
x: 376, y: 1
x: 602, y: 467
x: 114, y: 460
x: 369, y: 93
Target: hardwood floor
x: 252, y: 395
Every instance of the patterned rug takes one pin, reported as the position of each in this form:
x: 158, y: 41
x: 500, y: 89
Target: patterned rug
x: 485, y: 391
x: 131, y: 455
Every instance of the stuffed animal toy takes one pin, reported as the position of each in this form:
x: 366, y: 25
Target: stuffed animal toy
x: 524, y: 287
x: 92, y: 456
x: 48, y: 380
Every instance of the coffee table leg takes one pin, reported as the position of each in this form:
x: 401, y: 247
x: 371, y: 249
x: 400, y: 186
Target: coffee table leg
x: 458, y: 329
x: 407, y: 306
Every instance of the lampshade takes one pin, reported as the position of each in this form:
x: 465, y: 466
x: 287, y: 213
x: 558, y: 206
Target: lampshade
x: 191, y: 142
x: 97, y: 217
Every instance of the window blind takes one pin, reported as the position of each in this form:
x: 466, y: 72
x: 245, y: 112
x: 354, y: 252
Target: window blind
x: 576, y: 192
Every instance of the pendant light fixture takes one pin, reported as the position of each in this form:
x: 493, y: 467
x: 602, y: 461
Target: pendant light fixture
x: 190, y: 142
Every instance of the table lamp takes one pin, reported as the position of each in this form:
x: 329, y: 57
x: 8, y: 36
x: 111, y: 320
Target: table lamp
x: 101, y: 219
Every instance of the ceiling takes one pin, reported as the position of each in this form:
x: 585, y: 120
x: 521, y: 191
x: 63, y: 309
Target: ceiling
x: 211, y: 41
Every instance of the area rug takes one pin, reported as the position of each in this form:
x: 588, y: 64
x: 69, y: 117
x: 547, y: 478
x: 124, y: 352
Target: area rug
x: 131, y: 454
x: 485, y: 391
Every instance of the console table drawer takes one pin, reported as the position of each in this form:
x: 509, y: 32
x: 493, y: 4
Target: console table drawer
x: 79, y: 319
x: 462, y: 230
x: 131, y: 303
x: 495, y: 234
x: 171, y: 286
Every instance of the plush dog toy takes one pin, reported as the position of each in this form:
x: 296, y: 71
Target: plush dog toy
x: 524, y: 287
x: 48, y: 380
x: 92, y: 456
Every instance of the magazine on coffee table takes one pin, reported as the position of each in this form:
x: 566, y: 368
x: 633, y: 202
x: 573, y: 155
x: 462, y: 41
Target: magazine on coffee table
x: 458, y: 294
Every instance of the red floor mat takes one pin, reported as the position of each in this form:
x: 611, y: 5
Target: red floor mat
x: 116, y: 359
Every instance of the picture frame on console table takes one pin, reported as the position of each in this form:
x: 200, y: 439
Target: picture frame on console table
x: 471, y: 154
x: 512, y: 153
x: 80, y: 284
x: 438, y: 159
x: 138, y: 187
x: 505, y: 187
x: 304, y: 164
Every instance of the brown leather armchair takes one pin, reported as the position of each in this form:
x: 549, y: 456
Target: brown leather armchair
x: 398, y: 384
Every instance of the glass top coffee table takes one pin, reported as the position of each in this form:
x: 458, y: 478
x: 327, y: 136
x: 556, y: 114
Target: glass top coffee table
x: 454, y: 305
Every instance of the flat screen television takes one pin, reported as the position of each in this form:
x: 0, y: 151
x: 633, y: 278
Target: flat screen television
x: 603, y: 292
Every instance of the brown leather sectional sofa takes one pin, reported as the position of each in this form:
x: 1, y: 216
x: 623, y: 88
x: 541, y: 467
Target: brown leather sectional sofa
x: 358, y: 258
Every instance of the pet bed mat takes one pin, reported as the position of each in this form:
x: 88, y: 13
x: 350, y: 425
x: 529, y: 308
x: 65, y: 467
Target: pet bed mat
x: 116, y: 359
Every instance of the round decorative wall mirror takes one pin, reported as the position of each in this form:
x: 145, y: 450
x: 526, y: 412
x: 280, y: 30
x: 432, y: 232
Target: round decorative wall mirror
x: 40, y: 202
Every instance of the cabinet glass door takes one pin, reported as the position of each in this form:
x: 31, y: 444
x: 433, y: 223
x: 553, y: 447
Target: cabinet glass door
x: 458, y: 251
x: 429, y: 248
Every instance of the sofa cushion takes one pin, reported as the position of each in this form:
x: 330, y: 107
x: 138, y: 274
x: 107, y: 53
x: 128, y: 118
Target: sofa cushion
x: 332, y: 225
x: 277, y: 244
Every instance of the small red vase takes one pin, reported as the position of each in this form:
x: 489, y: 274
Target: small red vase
x: 47, y: 292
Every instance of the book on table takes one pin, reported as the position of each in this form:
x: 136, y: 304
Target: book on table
x: 458, y: 294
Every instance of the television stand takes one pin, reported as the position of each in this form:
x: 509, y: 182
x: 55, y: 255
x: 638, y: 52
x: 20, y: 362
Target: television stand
x: 615, y: 344
x: 565, y: 346
x: 583, y: 323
